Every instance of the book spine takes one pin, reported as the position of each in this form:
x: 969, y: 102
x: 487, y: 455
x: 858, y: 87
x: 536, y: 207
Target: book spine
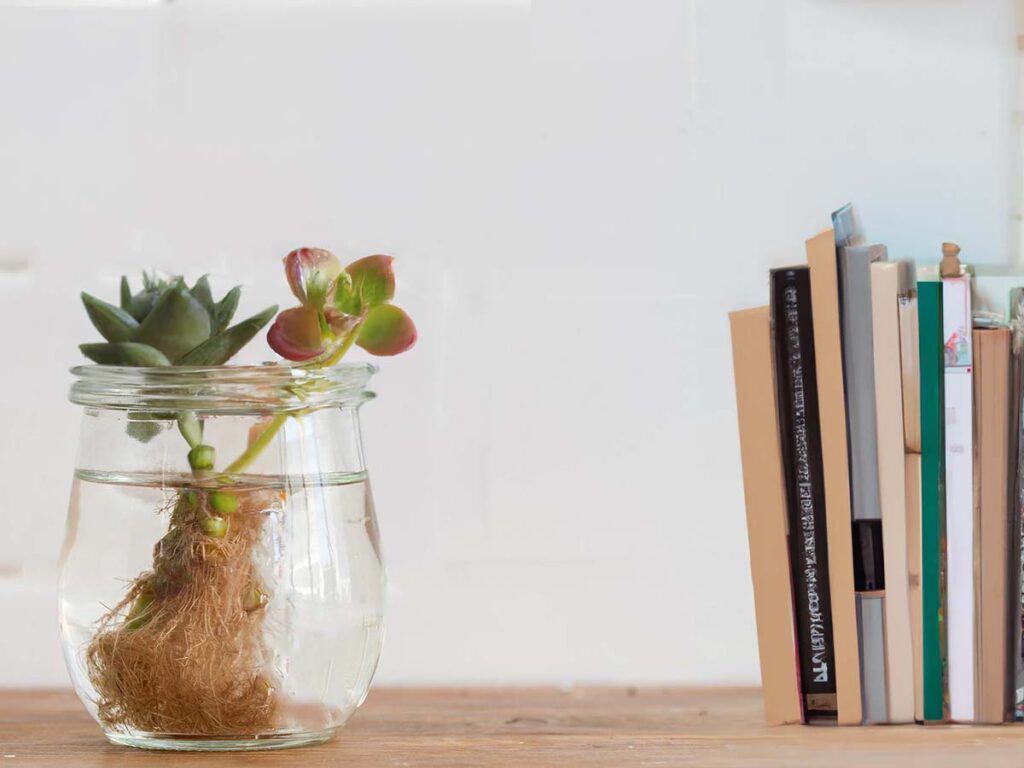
x: 992, y: 440
x: 958, y: 404
x: 912, y: 467
x: 1015, y: 582
x: 911, y: 381
x: 767, y: 526
x: 889, y: 280
x: 929, y: 306
x: 821, y: 257
x: 910, y: 368
x: 800, y: 432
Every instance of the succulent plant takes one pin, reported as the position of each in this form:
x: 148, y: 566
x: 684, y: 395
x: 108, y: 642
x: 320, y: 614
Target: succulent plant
x: 168, y: 323
x: 339, y: 307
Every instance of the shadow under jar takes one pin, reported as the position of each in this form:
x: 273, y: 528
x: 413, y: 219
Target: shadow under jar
x: 221, y: 582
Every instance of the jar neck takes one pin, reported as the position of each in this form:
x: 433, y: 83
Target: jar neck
x: 222, y: 390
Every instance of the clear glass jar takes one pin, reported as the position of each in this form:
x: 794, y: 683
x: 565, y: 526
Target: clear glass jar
x: 232, y: 606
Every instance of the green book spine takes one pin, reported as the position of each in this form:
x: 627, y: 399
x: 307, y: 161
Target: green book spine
x: 933, y: 517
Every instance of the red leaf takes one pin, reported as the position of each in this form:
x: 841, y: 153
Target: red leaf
x: 312, y: 273
x: 295, y: 334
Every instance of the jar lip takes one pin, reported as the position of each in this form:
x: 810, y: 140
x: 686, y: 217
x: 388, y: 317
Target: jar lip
x: 269, y: 387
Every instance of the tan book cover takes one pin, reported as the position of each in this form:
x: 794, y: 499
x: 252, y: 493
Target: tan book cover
x: 888, y: 281
x: 764, y: 494
x: 912, y: 486
x: 909, y: 361
x: 821, y: 257
x: 991, y: 519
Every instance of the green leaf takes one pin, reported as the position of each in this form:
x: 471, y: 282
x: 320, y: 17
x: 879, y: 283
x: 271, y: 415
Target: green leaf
x: 177, y: 323
x: 126, y: 293
x: 112, y: 322
x: 142, y: 303
x: 345, y: 298
x: 225, y: 309
x: 372, y: 284
x: 387, y: 330
x: 127, y: 353
x: 222, y: 347
x: 201, y: 292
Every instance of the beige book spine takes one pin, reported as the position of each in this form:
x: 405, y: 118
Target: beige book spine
x: 910, y: 365
x: 899, y: 652
x: 764, y: 494
x: 991, y: 518
x: 912, y: 470
x: 821, y: 257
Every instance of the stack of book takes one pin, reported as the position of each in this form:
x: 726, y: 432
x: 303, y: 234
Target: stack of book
x: 880, y: 439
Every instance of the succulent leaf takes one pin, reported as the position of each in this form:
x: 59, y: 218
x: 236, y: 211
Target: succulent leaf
x: 127, y: 353
x: 373, y: 281
x: 387, y: 330
x: 222, y: 347
x: 225, y: 309
x: 142, y: 303
x: 126, y: 293
x: 296, y: 334
x: 311, y: 275
x: 113, y: 323
x: 201, y: 292
x: 177, y: 323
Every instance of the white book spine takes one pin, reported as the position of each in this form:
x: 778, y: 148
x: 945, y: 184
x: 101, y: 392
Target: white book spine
x: 959, y: 453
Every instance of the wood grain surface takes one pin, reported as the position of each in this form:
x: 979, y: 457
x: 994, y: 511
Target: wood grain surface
x: 530, y: 727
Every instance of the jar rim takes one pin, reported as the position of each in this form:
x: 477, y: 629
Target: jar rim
x: 227, y: 389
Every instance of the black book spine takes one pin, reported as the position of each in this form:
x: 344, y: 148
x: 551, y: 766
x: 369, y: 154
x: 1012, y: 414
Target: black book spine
x: 796, y: 392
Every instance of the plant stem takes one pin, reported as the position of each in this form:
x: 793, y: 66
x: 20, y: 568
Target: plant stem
x: 267, y: 435
x: 261, y: 442
x: 340, y: 351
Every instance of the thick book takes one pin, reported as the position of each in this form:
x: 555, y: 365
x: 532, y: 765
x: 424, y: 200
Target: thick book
x: 821, y: 258
x: 958, y: 403
x: 1015, y: 587
x: 855, y: 262
x: 767, y: 526
x: 800, y: 434
x: 933, y: 498
x: 992, y: 430
x: 890, y: 283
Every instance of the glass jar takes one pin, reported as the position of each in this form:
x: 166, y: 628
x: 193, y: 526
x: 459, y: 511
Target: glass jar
x: 221, y: 583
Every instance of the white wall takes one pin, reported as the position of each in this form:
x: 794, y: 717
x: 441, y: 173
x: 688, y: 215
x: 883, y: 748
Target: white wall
x: 577, y: 193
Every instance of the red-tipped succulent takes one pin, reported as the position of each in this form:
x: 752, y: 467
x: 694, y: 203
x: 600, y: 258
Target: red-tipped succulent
x: 340, y: 307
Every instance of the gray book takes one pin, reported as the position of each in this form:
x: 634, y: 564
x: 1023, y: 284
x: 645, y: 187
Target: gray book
x: 859, y: 374
x: 871, y: 621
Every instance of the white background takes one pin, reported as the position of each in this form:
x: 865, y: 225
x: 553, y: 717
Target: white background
x: 577, y: 192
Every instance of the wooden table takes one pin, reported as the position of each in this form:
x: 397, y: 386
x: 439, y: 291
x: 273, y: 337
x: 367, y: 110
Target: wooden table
x: 530, y: 727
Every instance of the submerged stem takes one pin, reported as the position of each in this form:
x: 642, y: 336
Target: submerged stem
x: 261, y: 442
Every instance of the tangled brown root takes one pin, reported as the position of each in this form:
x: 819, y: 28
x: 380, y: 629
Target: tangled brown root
x: 184, y: 651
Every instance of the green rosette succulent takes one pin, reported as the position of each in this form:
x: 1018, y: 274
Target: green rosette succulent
x: 168, y: 323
